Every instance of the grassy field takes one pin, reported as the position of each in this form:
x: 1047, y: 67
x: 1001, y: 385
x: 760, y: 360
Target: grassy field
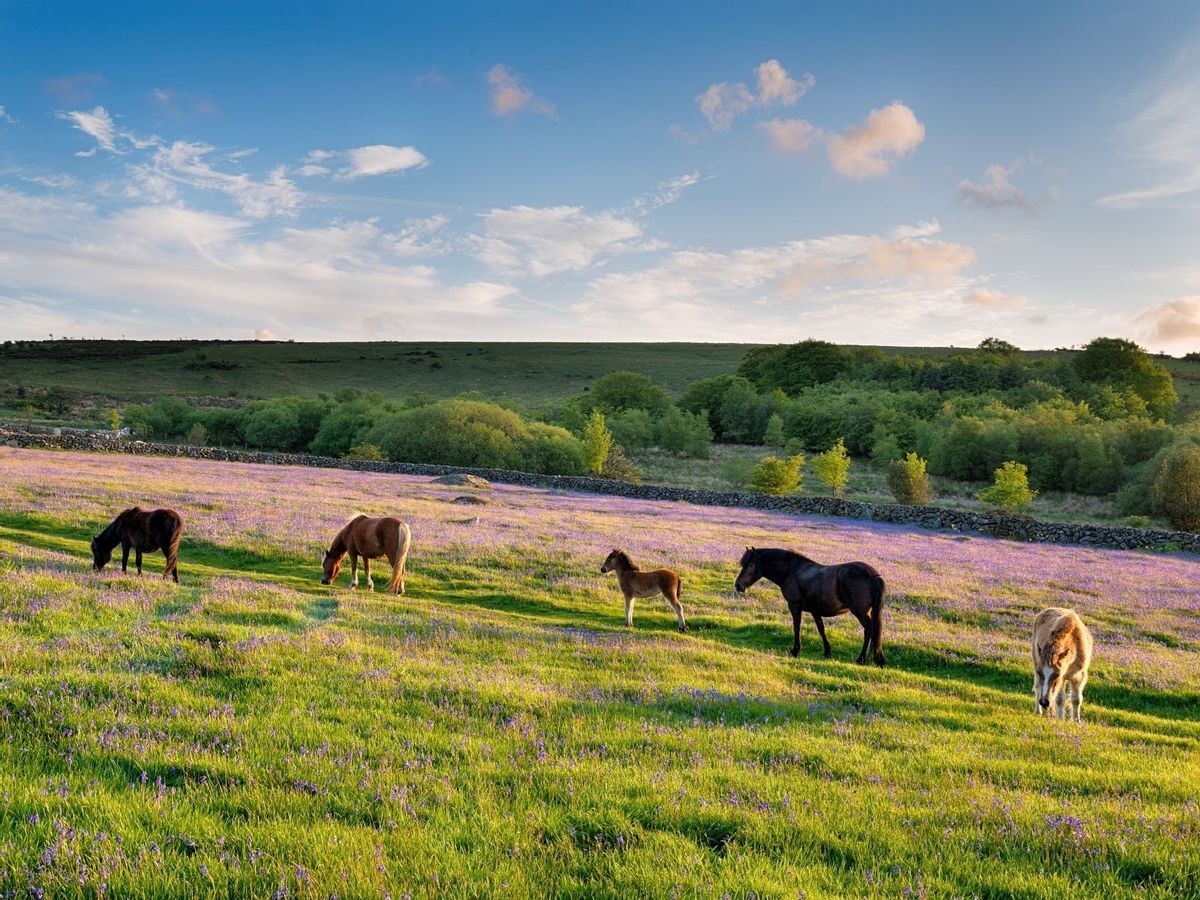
x: 138, y: 371
x: 498, y: 732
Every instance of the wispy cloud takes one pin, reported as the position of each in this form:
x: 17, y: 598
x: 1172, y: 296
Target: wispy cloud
x: 871, y: 149
x: 187, y: 164
x: 665, y: 193
x: 836, y: 286
x: 509, y: 95
x: 541, y: 241
x: 724, y: 101
x: 97, y: 124
x: 1165, y: 136
x: 6, y: 118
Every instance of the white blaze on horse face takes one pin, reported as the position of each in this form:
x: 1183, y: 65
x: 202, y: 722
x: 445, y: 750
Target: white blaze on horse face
x: 1048, y: 674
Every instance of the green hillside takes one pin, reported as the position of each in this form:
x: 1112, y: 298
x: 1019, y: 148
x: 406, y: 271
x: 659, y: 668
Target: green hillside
x: 136, y: 371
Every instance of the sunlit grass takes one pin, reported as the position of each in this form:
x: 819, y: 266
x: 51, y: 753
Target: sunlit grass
x: 498, y: 732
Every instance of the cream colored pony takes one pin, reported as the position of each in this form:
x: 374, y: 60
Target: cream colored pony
x: 1062, y: 652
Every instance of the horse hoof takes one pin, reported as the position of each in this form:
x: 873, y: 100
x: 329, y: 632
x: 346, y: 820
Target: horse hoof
x: 795, y: 651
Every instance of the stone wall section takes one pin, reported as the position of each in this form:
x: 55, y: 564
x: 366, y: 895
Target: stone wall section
x: 1020, y: 528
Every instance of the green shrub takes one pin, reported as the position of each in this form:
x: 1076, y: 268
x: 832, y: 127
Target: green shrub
x: 619, y: 467
x: 777, y: 476
x: 908, y: 481
x: 632, y: 428
x: 597, y: 443
x: 1177, y: 488
x: 554, y: 451
x: 365, y: 453
x: 454, y: 433
x: 684, y: 432
x: 738, y: 471
x: 1010, y: 491
x: 773, y: 436
x: 833, y: 467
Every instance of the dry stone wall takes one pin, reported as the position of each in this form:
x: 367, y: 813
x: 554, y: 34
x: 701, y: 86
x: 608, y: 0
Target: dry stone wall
x: 996, y: 524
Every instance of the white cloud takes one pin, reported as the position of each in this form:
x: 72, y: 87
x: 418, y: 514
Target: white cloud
x: 97, y: 124
x: 6, y: 118
x: 724, y: 101
x: 791, y: 135
x: 841, y: 282
x: 1165, y: 136
x: 509, y: 95
x: 381, y: 159
x: 185, y: 163
x: 997, y: 191
x: 417, y: 238
x: 1173, y: 322
x: 996, y: 301
x: 776, y: 86
x: 869, y: 150
x: 265, y: 334
x: 546, y: 240
x: 666, y: 193
x: 208, y: 273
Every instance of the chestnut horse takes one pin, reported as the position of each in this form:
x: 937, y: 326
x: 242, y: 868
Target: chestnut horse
x: 820, y: 591
x: 636, y: 583
x: 371, y: 539
x: 145, y: 532
x: 1062, y: 652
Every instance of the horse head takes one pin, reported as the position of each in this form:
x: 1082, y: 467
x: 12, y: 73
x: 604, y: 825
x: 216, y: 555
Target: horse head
x: 331, y: 564
x: 100, y: 556
x: 750, y: 572
x: 610, y: 562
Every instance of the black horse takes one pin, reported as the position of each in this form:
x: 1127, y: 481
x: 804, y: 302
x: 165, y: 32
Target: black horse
x: 143, y: 531
x: 820, y: 591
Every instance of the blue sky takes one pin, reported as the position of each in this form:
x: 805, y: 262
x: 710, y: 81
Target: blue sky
x: 881, y: 173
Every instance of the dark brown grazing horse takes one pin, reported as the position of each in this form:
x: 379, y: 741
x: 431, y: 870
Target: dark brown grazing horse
x: 636, y: 583
x: 821, y: 591
x: 145, y: 532
x: 371, y: 539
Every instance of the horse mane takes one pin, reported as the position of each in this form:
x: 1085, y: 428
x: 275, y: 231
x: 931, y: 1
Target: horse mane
x: 623, y: 557
x: 110, y: 536
x: 777, y: 553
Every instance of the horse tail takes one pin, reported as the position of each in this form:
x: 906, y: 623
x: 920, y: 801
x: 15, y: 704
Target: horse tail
x: 403, y: 542
x: 877, y: 588
x: 171, y: 548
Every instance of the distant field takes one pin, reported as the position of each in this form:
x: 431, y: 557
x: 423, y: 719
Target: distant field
x: 497, y: 732
x: 525, y: 374
x: 136, y: 371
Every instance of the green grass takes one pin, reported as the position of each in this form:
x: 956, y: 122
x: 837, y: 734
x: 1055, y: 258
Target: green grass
x: 138, y: 371
x: 497, y: 732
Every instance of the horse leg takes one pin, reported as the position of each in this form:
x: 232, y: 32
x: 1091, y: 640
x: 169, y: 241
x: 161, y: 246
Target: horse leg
x: 124, y: 557
x: 139, y: 559
x: 367, y: 570
x: 821, y: 631
x: 673, y: 599
x: 628, y: 610
x: 353, y: 570
x: 172, y: 569
x: 797, y: 612
x: 1037, y: 688
x: 867, y: 627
